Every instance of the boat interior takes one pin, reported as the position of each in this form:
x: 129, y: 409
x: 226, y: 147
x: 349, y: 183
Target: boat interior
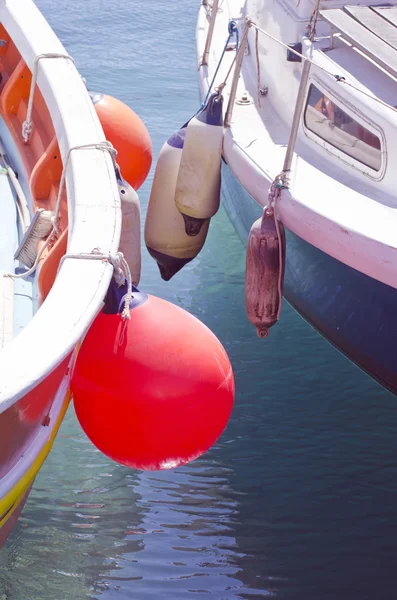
x: 30, y: 174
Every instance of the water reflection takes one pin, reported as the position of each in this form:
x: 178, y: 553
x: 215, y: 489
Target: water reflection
x: 186, y: 533
x: 71, y: 524
x: 92, y: 528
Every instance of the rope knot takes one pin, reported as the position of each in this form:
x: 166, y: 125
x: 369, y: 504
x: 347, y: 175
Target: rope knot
x: 27, y: 128
x: 121, y: 274
x: 220, y: 88
x: 232, y: 27
x: 116, y: 262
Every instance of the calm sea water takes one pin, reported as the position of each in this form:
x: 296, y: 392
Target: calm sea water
x: 299, y: 497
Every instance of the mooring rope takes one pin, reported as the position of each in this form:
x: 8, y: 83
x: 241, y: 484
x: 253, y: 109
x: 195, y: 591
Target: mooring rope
x: 121, y: 273
x: 233, y: 31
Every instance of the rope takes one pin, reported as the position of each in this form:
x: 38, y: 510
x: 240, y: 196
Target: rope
x: 221, y: 86
x: 258, y: 66
x: 233, y: 30
x: 121, y: 273
x: 274, y: 194
x: 311, y: 26
x: 27, y: 125
x: 105, y: 146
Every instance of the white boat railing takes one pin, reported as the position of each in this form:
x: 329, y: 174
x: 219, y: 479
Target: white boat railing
x: 208, y: 41
x: 93, y: 208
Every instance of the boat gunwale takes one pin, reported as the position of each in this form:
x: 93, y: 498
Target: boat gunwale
x: 93, y: 205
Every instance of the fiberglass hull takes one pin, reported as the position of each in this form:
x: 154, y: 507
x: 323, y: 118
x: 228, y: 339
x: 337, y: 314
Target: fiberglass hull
x: 354, y: 312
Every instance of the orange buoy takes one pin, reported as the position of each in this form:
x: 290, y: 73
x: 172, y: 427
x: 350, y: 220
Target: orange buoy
x: 265, y: 272
x: 154, y: 391
x: 127, y: 133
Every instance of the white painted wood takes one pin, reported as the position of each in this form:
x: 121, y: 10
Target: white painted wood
x: 362, y: 38
x: 93, y: 204
x: 375, y: 22
x: 387, y: 12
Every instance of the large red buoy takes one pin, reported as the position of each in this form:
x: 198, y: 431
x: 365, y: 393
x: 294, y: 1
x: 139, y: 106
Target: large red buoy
x: 155, y: 391
x: 127, y: 133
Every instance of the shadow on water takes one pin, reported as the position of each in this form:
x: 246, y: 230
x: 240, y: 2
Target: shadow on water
x: 297, y: 499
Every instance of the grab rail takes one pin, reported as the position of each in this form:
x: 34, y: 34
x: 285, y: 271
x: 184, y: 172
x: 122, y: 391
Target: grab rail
x: 208, y: 41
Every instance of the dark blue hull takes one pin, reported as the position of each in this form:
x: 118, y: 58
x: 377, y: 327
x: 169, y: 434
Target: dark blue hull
x: 356, y: 313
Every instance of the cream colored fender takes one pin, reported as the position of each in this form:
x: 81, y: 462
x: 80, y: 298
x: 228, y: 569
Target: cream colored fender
x: 165, y: 236
x: 130, y: 239
x: 197, y: 194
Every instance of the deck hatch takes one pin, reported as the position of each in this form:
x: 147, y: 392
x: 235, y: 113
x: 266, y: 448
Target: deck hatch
x: 373, y: 30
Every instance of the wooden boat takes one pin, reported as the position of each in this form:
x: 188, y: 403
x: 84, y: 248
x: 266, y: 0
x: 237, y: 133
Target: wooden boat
x: 310, y: 120
x: 53, y: 158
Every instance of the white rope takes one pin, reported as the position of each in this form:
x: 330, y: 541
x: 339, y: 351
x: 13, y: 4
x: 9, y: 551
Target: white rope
x: 121, y: 273
x: 105, y: 146
x: 27, y: 125
x: 258, y: 66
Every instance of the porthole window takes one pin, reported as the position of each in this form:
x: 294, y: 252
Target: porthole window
x: 332, y: 124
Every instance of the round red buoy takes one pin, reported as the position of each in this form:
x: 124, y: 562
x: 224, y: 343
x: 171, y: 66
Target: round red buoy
x: 153, y: 392
x: 129, y: 136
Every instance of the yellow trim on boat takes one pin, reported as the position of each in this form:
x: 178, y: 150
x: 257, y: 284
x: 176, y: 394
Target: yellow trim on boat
x: 10, y: 501
x: 12, y: 509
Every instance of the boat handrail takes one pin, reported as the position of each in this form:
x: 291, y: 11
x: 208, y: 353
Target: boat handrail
x: 208, y: 41
x: 236, y: 74
x: 27, y: 124
x: 93, y: 204
x: 238, y: 64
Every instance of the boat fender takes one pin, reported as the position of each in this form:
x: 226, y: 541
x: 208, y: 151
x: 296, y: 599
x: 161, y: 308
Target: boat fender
x: 165, y: 235
x: 265, y: 264
x: 197, y: 194
x: 129, y: 136
x: 153, y: 391
x: 130, y: 239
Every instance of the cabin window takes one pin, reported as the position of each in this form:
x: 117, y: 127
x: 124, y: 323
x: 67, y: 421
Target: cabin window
x: 327, y: 120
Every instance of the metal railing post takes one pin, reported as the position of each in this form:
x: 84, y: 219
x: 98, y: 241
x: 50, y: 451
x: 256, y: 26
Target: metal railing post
x: 214, y: 11
x: 299, y: 105
x: 236, y: 75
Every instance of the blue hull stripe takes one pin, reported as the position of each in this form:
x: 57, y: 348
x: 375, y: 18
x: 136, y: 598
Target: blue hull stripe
x: 356, y: 313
